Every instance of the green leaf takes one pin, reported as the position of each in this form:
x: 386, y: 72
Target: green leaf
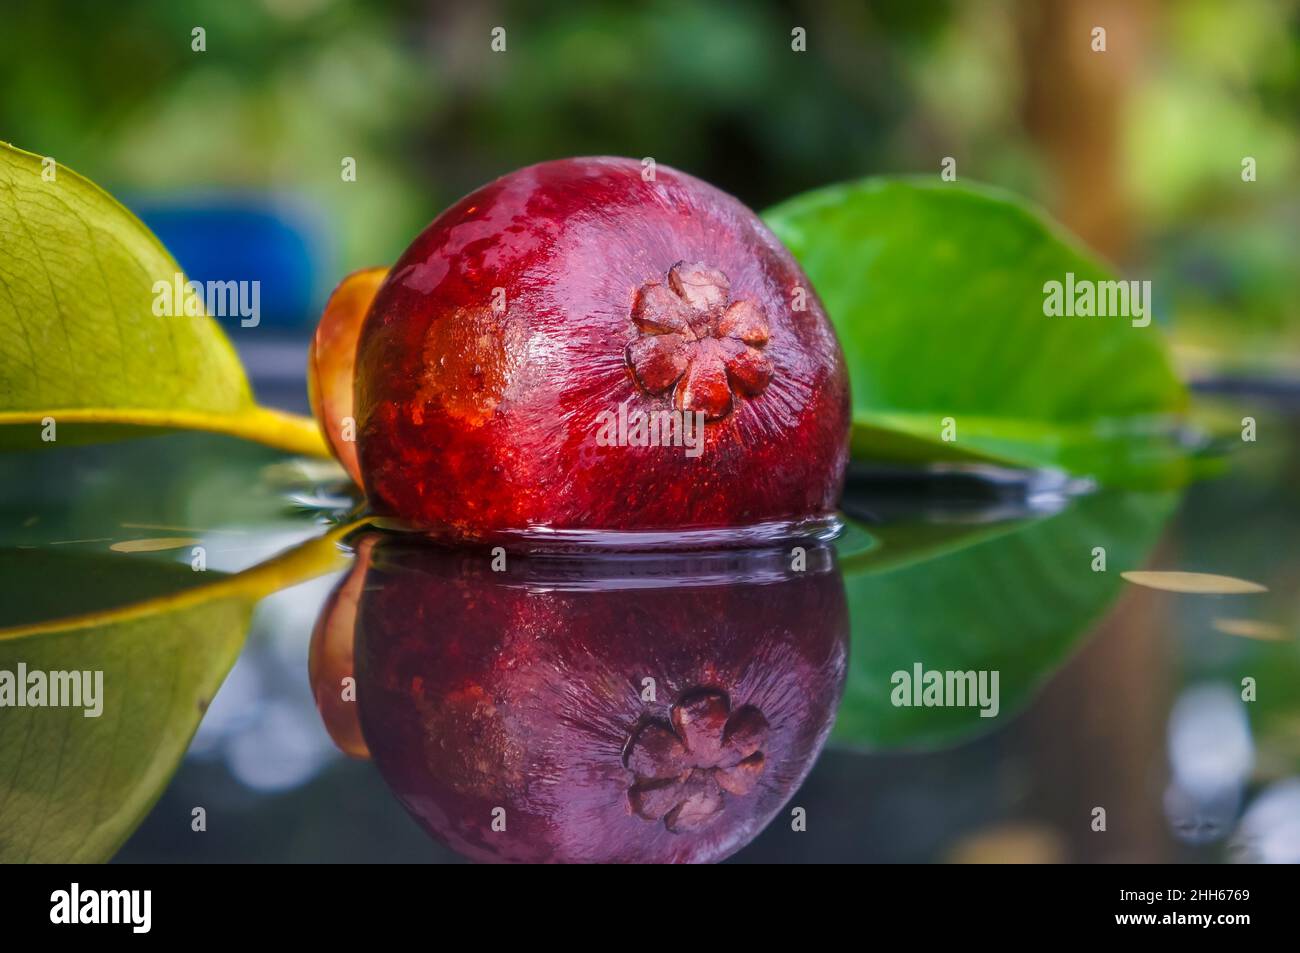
x: 79, y: 340
x: 1012, y: 599
x: 72, y: 598
x: 936, y: 292
x: 73, y: 788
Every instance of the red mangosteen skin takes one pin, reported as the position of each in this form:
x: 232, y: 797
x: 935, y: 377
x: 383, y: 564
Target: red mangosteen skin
x: 521, y: 697
x: 565, y: 290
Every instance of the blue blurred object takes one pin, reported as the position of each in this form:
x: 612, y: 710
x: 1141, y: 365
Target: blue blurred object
x: 247, y: 238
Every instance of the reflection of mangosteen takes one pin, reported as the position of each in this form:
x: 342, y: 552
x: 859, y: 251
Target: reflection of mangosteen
x: 630, y: 709
x: 330, y: 659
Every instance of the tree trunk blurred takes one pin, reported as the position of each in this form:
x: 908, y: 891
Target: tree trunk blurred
x: 1074, y: 107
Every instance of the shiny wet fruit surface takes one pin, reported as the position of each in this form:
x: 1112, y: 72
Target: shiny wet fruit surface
x: 504, y: 353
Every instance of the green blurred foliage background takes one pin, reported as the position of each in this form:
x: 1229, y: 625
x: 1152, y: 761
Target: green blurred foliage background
x: 1138, y: 149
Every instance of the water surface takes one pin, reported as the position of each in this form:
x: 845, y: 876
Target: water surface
x: 1111, y: 696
